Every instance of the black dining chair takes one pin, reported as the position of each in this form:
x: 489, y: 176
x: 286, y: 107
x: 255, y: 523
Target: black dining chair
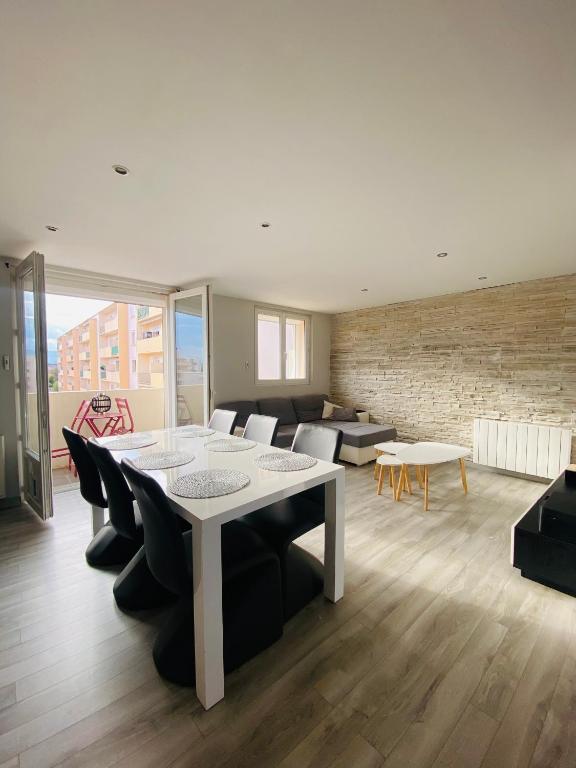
x: 279, y: 524
x: 107, y: 548
x: 223, y: 421
x: 251, y: 585
x: 135, y: 587
x: 262, y: 429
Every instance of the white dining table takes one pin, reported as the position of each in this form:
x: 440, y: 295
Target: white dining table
x: 208, y: 515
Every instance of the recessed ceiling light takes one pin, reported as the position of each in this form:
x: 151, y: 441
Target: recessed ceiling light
x: 483, y: 277
x: 51, y: 228
x: 265, y: 224
x: 364, y: 290
x: 121, y: 170
x: 441, y: 255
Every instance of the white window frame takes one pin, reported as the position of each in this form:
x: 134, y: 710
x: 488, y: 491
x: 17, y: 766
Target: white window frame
x: 283, y: 314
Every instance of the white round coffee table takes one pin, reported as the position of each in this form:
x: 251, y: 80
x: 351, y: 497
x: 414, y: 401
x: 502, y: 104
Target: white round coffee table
x: 387, y: 461
x: 424, y: 455
x: 391, y: 446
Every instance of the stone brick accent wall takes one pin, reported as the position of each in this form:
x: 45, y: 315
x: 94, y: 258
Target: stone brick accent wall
x: 430, y: 366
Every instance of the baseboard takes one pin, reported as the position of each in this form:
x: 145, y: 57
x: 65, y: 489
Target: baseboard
x: 10, y: 502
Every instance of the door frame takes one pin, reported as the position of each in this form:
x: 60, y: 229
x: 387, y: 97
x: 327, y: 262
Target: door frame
x: 205, y: 292
x: 34, y: 265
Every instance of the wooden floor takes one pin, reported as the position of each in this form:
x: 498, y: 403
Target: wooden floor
x: 440, y: 655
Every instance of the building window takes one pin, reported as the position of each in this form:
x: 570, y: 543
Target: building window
x: 282, y: 346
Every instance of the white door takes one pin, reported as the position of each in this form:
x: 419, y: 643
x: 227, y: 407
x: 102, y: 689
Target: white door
x: 189, y: 356
x: 33, y: 385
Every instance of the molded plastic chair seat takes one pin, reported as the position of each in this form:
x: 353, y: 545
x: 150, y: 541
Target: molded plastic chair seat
x: 135, y: 588
x: 262, y: 429
x: 108, y: 547
x: 279, y: 524
x: 251, y: 585
x: 223, y: 421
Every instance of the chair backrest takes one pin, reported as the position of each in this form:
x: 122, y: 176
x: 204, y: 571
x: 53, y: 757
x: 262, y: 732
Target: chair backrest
x: 223, y: 421
x: 126, y: 418
x: 163, y: 542
x: 322, y: 443
x: 88, y: 475
x: 80, y: 415
x: 263, y: 429
x: 120, y: 499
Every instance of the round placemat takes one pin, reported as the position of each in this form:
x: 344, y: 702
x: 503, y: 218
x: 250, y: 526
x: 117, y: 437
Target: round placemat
x: 194, y: 432
x: 163, y: 460
x: 229, y: 444
x: 129, y: 443
x: 207, y: 483
x: 285, y: 461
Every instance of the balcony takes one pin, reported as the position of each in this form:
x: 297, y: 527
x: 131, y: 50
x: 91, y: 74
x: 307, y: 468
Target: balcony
x: 85, y: 336
x: 145, y: 314
x: 84, y: 355
x: 151, y: 379
x: 112, y: 376
x: 109, y: 351
x: 147, y: 406
x: 110, y: 326
x: 149, y: 345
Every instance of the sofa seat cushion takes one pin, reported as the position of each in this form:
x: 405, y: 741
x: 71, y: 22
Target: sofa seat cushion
x: 308, y: 407
x: 360, y: 435
x: 280, y: 407
x: 285, y: 435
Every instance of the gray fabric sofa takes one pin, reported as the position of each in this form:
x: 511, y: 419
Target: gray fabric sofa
x: 358, y: 437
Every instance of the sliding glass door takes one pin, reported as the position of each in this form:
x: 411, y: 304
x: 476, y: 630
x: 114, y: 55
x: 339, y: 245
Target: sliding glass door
x: 189, y: 357
x: 33, y: 385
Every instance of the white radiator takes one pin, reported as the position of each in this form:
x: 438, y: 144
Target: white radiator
x: 528, y: 448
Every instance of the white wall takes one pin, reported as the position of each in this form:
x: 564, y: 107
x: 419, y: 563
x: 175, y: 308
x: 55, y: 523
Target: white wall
x: 234, y: 354
x: 7, y: 393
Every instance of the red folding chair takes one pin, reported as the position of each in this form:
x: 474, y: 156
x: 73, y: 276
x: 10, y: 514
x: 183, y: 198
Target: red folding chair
x: 125, y: 422
x: 76, y: 425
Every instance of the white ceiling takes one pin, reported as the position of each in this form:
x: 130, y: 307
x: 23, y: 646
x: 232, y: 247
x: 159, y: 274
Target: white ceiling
x: 370, y: 134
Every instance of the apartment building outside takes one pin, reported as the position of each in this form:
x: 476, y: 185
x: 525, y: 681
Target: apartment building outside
x: 121, y: 347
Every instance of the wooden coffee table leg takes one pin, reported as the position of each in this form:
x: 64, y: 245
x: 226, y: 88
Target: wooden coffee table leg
x: 380, y: 478
x: 395, y: 487
x: 463, y: 475
x: 425, y: 489
x: 408, y: 484
x: 376, y: 465
x: 419, y: 476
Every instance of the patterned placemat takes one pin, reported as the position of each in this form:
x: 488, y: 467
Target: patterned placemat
x: 194, y: 432
x: 163, y: 460
x: 285, y: 461
x: 229, y: 444
x: 207, y: 483
x: 129, y: 443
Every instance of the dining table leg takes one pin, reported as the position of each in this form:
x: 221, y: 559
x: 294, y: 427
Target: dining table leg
x: 334, y: 538
x: 208, y: 632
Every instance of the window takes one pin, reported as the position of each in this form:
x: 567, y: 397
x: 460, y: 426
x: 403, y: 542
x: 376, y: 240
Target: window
x: 281, y: 346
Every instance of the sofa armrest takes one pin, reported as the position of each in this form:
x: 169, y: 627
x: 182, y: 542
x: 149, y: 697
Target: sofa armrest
x: 363, y: 417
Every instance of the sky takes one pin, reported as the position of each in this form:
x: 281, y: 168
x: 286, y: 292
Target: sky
x: 63, y: 313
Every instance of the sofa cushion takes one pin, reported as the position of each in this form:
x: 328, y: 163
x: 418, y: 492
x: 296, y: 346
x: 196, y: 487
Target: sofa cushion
x: 285, y: 435
x: 360, y: 435
x: 343, y: 414
x: 308, y: 407
x: 243, y: 408
x: 280, y: 407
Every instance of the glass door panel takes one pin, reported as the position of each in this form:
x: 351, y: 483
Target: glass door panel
x: 33, y: 385
x: 190, y: 357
